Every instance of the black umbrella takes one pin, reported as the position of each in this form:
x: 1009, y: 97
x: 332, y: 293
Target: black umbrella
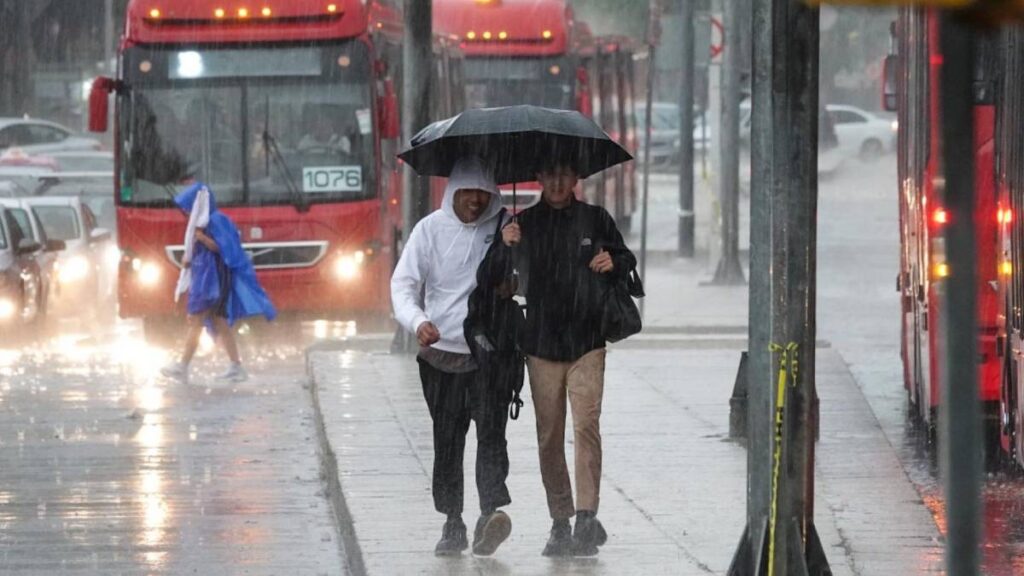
x: 517, y: 141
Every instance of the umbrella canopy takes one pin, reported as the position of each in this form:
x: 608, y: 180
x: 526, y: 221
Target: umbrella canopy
x: 518, y: 141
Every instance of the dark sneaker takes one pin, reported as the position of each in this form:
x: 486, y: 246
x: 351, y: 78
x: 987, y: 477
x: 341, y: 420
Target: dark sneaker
x: 453, y: 538
x: 589, y: 534
x: 560, y: 541
x: 491, y: 530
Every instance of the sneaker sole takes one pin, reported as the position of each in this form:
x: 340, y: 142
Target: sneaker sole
x: 495, y: 531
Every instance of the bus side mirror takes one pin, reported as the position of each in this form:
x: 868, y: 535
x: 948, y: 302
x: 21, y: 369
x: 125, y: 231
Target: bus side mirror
x: 387, y: 108
x: 99, y: 103
x: 889, y: 83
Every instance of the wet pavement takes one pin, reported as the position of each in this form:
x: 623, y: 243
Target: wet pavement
x: 108, y: 469
x: 859, y: 313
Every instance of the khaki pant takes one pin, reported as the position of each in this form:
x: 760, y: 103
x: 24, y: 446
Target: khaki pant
x: 583, y: 382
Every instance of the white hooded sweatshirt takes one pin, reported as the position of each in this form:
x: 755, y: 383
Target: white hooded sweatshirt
x: 441, y: 258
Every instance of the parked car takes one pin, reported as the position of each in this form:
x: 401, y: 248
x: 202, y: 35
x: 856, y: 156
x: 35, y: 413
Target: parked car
x: 665, y: 140
x: 35, y: 136
x: 21, y: 285
x: 84, y: 274
x: 32, y: 228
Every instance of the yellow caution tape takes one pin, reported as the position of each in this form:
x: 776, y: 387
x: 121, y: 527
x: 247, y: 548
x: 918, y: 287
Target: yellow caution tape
x: 788, y: 364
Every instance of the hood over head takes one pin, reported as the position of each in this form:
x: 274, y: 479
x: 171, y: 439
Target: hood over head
x: 187, y: 199
x: 471, y: 173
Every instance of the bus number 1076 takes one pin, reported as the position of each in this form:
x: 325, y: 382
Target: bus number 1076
x: 332, y: 179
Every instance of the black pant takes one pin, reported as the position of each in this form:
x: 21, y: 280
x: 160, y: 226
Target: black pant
x: 454, y: 400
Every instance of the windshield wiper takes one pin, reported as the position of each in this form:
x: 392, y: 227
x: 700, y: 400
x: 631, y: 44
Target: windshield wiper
x: 270, y: 144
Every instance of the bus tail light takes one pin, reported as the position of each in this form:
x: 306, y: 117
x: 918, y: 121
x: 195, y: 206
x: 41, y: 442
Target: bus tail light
x: 940, y: 216
x: 1004, y: 216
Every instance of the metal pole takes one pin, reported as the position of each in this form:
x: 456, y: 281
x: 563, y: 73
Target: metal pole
x: 687, y: 12
x: 416, y: 78
x: 651, y: 71
x: 730, y: 271
x: 960, y: 421
x: 108, y: 37
x: 780, y: 537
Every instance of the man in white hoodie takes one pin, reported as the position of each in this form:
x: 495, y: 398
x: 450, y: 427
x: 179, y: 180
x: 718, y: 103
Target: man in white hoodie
x: 430, y: 293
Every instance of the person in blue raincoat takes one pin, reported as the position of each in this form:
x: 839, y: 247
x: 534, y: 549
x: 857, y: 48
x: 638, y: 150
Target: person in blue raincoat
x: 220, y: 281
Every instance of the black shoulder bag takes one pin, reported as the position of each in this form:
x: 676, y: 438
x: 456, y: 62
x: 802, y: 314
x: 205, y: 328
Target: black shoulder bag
x: 620, y: 317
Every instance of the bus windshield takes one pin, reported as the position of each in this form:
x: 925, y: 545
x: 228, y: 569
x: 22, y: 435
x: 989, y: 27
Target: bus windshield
x: 544, y: 82
x: 259, y: 126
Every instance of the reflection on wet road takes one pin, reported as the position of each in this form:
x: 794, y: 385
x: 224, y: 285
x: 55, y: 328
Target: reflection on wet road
x: 107, y: 468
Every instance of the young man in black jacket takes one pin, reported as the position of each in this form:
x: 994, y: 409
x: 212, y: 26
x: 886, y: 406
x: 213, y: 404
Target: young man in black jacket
x: 568, y: 254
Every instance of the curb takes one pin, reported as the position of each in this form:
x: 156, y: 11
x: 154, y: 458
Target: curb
x: 352, y: 554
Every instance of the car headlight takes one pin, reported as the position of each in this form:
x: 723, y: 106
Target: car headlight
x: 7, y: 308
x: 147, y: 272
x: 348, y: 265
x: 895, y: 125
x: 72, y: 269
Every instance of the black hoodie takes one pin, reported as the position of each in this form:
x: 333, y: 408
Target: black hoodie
x: 564, y: 298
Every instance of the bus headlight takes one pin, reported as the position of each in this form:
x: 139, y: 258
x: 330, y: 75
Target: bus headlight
x: 7, y: 309
x: 73, y: 269
x: 348, y: 265
x: 148, y: 272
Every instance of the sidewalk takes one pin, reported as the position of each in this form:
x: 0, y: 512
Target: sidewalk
x: 673, y: 485
x: 673, y: 495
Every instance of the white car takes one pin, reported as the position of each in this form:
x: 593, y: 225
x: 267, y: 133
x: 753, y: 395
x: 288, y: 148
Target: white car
x: 85, y: 276
x: 861, y: 133
x: 40, y: 136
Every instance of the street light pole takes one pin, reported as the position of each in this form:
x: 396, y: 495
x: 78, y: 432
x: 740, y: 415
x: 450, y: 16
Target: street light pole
x: 780, y: 537
x: 416, y: 53
x: 960, y: 420
x: 417, y: 50
x: 687, y: 12
x: 108, y: 37
x: 730, y: 271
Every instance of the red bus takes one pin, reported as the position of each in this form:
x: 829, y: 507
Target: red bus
x: 1009, y: 176
x: 536, y: 52
x: 289, y: 111
x: 912, y: 90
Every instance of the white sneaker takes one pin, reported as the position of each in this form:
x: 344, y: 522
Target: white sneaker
x: 175, y: 371
x: 234, y: 373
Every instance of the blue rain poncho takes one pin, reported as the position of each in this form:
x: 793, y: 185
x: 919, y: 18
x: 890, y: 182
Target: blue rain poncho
x: 246, y: 296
